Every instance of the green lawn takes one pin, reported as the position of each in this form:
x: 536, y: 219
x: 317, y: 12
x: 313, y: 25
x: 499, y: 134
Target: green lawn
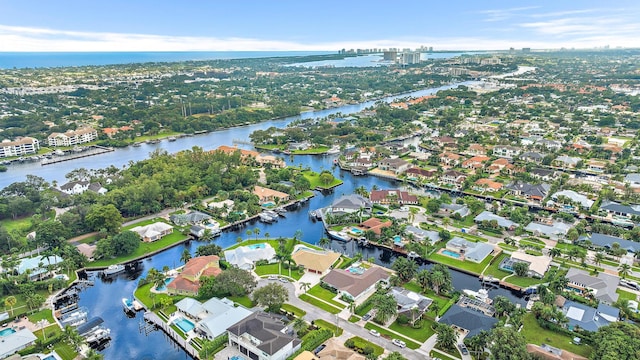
x: 143, y: 293
x: 389, y: 335
x: 292, y: 309
x: 362, y: 343
x: 326, y: 295
x: 329, y: 326
x: 354, y: 319
x: 319, y: 304
x: 420, y: 334
x: 537, y: 335
x: 21, y: 225
x: 457, y: 264
x: 626, y: 295
x: 440, y: 300
x: 314, y: 180
x: 494, y: 269
x: 65, y: 351
x: 143, y: 249
x: 507, y: 247
x: 242, y: 300
x: 436, y: 354
x: 275, y: 269
x: 311, y: 151
x: 42, y: 314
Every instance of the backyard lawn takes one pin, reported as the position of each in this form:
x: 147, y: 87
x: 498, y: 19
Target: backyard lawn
x: 314, y: 180
x: 537, y: 335
x: 458, y: 264
x: 494, y: 269
x: 626, y: 295
x: 319, y: 304
x: 326, y: 295
x: 275, y: 269
x: 294, y: 310
x: 420, y: 334
x: 362, y: 343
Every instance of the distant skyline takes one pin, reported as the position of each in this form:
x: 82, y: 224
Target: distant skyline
x: 286, y: 25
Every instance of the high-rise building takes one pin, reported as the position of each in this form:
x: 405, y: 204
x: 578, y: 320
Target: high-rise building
x: 390, y: 56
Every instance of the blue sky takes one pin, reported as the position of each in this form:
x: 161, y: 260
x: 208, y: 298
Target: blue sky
x: 213, y: 25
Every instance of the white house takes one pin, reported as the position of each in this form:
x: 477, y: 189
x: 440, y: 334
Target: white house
x: 73, y: 137
x: 19, y: 147
x: 245, y: 256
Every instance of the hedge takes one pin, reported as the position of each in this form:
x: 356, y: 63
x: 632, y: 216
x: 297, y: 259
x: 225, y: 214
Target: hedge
x: 312, y: 340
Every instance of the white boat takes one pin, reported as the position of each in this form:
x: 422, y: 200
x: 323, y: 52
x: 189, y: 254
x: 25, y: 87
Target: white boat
x: 98, y: 335
x: 413, y: 254
x: 334, y: 150
x: 482, y: 295
x: 113, y: 269
x: 265, y: 218
x: 339, y: 235
x: 128, y: 304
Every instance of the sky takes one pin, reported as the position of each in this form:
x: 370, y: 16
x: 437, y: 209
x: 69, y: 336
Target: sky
x: 311, y: 25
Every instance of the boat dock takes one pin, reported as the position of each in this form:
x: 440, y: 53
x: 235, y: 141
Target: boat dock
x: 93, y: 150
x: 151, y: 318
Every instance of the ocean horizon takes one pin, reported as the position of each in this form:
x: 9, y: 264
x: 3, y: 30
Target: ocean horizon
x: 22, y: 60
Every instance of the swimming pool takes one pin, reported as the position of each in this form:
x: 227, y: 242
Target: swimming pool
x: 357, y: 270
x: 6, y: 332
x: 397, y: 239
x: 164, y: 287
x: 237, y: 357
x: 451, y: 253
x: 184, y: 325
x: 269, y: 204
x: 356, y: 231
x: 256, y: 246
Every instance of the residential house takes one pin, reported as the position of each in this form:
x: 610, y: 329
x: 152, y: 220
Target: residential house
x: 420, y: 174
x: 453, y: 209
x: 476, y: 162
x: 72, y: 137
x: 531, y: 156
x: 554, y: 230
x: 476, y: 149
x: 543, y: 174
x: 472, y: 251
x: 410, y: 304
x: 262, y: 336
x: 212, y: 317
x: 487, y: 185
x: 334, y: 350
x: 552, y: 145
x: 188, y: 280
x: 16, y: 341
x: 454, y: 178
x: 602, y: 287
x: 396, y: 165
x: 576, y: 198
x: 616, y: 209
x: 38, y: 267
x: 499, y: 165
x: 531, y: 192
x: 192, y: 218
x: 489, y: 216
x: 351, y: 203
x: 266, y: 195
x: 506, y: 151
x: 469, y: 321
x: 598, y: 166
x: 21, y: 146
x: 450, y: 159
x: 247, y: 155
x: 392, y: 197
x: 566, y: 162
x: 78, y: 187
x: 587, y: 318
x: 353, y: 285
x: 374, y: 224
x: 538, y: 265
x: 314, y: 261
x: 606, y: 242
x: 153, y: 232
x: 420, y: 235
x: 633, y: 180
x: 295, y: 146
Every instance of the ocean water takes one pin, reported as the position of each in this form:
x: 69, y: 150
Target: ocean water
x: 18, y: 60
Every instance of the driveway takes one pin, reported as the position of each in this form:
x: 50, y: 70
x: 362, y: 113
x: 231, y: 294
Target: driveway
x: 314, y: 313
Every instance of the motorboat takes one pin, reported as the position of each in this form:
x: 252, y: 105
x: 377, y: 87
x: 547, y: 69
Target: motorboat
x: 99, y: 334
x: 265, y: 218
x: 339, y: 235
x: 334, y: 150
x: 113, y: 270
x: 127, y: 304
x: 482, y: 295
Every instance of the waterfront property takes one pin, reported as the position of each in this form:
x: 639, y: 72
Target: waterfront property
x: 469, y: 322
x: 349, y: 204
x: 15, y: 340
x: 213, y: 317
x: 602, y: 287
x: 606, y: 242
x: 36, y: 267
x: 410, y: 304
x: 19, y: 147
x: 266, y: 195
x: 315, y: 261
x: 587, y: 318
x: 188, y: 281
x: 72, y: 137
x: 420, y: 235
x: 392, y: 197
x: 538, y: 265
x: 467, y: 250
x: 353, y: 284
x: 489, y: 216
x: 373, y: 224
x: 244, y: 257
x: 262, y: 336
x: 153, y: 232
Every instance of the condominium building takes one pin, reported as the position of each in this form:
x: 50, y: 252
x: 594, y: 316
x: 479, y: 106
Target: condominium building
x: 73, y: 137
x: 19, y: 147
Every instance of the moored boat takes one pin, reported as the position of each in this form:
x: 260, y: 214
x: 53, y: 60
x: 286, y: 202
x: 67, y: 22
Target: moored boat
x: 113, y: 270
x: 339, y: 235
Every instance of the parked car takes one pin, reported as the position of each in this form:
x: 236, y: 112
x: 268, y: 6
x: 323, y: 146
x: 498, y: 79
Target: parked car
x: 272, y: 277
x: 319, y: 348
x: 366, y: 317
x: 463, y: 349
x: 399, y: 343
x: 374, y: 332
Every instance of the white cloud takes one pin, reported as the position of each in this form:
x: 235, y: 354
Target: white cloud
x: 505, y: 14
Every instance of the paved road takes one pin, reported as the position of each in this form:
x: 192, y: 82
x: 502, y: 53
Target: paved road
x: 314, y: 313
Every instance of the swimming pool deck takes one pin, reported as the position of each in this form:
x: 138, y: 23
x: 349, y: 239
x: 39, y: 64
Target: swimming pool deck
x: 152, y: 318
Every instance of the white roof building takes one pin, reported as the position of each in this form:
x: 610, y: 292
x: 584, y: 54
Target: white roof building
x: 15, y: 342
x: 245, y: 256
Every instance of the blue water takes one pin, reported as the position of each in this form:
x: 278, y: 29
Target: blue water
x: 451, y: 253
x: 166, y: 282
x: 256, y: 246
x: 10, y: 60
x: 185, y: 325
x: 5, y: 332
x: 397, y: 239
x: 237, y: 357
x: 356, y: 270
x: 356, y: 231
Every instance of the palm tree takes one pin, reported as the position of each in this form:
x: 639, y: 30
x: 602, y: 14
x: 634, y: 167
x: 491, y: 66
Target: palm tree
x: 249, y: 232
x: 10, y: 302
x: 256, y: 232
x: 239, y: 239
x: 93, y: 355
x: 386, y: 307
x: 423, y: 279
x: 297, y: 236
x: 624, y: 270
x: 555, y: 252
x: 186, y: 256
x: 446, y: 336
x: 267, y: 235
x: 300, y: 325
x: 280, y: 257
x: 435, y: 307
x: 437, y: 279
x: 42, y: 324
x: 324, y: 241
x: 305, y: 286
x: 598, y: 258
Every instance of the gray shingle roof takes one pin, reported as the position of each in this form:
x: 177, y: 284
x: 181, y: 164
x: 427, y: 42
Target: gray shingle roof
x: 470, y: 320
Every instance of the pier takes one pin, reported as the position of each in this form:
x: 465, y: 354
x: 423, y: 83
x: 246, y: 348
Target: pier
x: 93, y: 150
x: 151, y: 318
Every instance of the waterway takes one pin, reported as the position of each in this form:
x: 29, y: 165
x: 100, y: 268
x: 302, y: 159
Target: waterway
x: 104, y: 298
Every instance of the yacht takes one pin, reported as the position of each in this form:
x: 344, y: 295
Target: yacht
x: 339, y: 235
x: 113, y: 270
x: 265, y: 218
x: 127, y: 304
x: 172, y: 138
x: 334, y: 150
x: 99, y: 334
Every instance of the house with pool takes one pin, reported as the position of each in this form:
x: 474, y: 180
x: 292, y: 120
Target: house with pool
x: 538, y: 265
x: 262, y: 336
x: 37, y: 267
x: 356, y: 281
x: 266, y: 195
x: 314, y: 261
x: 211, y: 318
x: 153, y: 232
x: 13, y: 340
x: 188, y: 280
x: 245, y: 257
x: 464, y: 249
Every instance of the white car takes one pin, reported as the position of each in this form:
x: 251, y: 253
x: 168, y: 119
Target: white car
x: 374, y: 333
x: 399, y: 343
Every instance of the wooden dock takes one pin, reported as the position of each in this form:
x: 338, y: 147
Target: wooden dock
x: 152, y: 318
x: 94, y: 150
